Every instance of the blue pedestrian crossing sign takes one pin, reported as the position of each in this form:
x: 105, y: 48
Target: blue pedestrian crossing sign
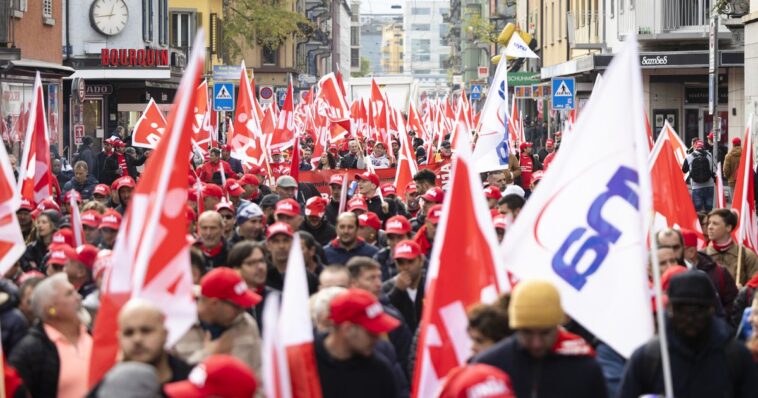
x: 476, y: 92
x: 223, y: 96
x: 563, y: 93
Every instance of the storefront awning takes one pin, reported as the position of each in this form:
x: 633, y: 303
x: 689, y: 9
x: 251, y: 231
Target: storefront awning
x: 124, y: 74
x: 42, y: 66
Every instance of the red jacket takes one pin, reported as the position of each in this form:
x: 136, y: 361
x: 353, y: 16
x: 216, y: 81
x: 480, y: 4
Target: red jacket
x: 527, y: 165
x: 423, y: 241
x: 206, y: 171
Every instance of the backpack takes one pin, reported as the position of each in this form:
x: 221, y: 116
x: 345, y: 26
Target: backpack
x: 700, y: 168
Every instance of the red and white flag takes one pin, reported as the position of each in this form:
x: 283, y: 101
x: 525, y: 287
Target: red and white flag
x: 743, y: 201
x: 671, y: 200
x: 720, y: 197
x: 150, y: 127
x: 202, y: 129
x: 585, y: 227
x: 406, y: 160
x: 12, y: 245
x: 151, y: 257
x: 35, y: 180
x: 76, y: 221
x: 289, y: 368
x: 465, y: 235
x: 284, y: 132
x: 247, y: 141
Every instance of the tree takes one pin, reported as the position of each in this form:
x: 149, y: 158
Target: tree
x: 266, y: 23
x: 365, y: 68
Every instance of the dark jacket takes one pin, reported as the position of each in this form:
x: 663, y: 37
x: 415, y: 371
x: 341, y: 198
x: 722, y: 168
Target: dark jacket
x: 110, y: 168
x: 349, y: 161
x: 401, y: 336
x: 323, y: 234
x: 384, y: 258
x: 722, y: 368
x: 336, y: 254
x: 359, y: 376
x: 99, y: 164
x: 556, y: 375
x: 34, y: 255
x: 87, y: 155
x: 411, y: 310
x: 275, y: 280
x: 36, y: 360
x: 375, y: 205
x: 722, y: 281
x: 236, y: 165
x: 332, y: 210
x: 13, y: 323
x: 84, y: 189
x: 217, y: 258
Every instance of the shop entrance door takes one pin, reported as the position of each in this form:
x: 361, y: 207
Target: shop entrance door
x: 698, y: 123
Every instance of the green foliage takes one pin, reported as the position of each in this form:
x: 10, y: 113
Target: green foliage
x: 365, y: 68
x: 265, y: 23
x: 482, y: 29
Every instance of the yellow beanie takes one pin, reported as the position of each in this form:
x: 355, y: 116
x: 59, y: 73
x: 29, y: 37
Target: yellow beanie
x: 535, y: 304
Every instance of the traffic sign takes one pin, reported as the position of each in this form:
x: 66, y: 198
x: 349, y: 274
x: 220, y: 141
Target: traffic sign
x: 266, y: 94
x: 78, y: 134
x: 476, y: 92
x: 223, y: 96
x: 281, y: 95
x: 563, y: 93
x: 483, y: 71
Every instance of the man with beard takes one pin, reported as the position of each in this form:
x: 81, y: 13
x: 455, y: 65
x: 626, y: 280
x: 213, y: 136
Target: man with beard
x: 347, y: 245
x: 250, y: 225
x: 124, y: 187
x: 279, y: 243
x: 368, y: 182
x: 335, y: 190
x: 315, y: 223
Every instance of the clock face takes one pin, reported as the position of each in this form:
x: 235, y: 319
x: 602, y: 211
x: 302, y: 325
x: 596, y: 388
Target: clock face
x: 109, y: 17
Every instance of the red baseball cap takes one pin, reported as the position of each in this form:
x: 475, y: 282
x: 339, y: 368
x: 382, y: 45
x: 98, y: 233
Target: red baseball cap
x: 434, y: 194
x: 368, y: 176
x: 48, y: 204
x: 64, y: 236
x: 276, y: 151
x: 411, y: 187
x: 316, y: 206
x: 76, y: 195
x: 689, y: 238
x: 85, y: 254
x: 736, y: 141
x: 224, y: 205
x: 58, y: 254
x: 213, y: 191
x: 233, y: 187
x: 226, y: 147
x: 125, y: 182
x: 217, y: 376
x: 26, y: 205
x: 710, y: 135
x: 435, y: 212
x: 257, y: 170
x: 102, y: 189
x: 336, y: 179
x: 492, y: 192
x: 479, y: 380
x: 226, y: 284
x: 357, y: 203
x: 91, y: 218
x: 278, y: 228
x: 699, y: 145
x: 249, y: 179
x: 111, y: 219
x: 524, y: 145
x: 388, y: 189
x: 360, y: 307
x: 371, y: 220
x: 288, y: 207
x: 398, y: 225
x: 549, y: 143
x: 407, y: 249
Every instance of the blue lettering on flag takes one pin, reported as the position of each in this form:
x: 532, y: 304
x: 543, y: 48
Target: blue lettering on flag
x: 605, y: 233
x: 502, y: 148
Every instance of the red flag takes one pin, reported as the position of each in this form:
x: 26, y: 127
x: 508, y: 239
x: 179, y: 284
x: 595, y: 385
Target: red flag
x: 720, y: 197
x: 671, y: 200
x: 340, y: 83
x: 151, y: 256
x: 284, y: 133
x: 202, y: 128
x: 406, y: 160
x: 746, y: 231
x: 330, y: 100
x: 76, y: 221
x: 295, y: 161
x: 12, y: 245
x: 247, y: 144
x: 150, y: 127
x: 649, y: 131
x: 465, y: 235
x: 19, y: 128
x: 35, y: 177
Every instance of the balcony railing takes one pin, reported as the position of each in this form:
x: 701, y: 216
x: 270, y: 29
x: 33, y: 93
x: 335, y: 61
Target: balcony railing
x: 654, y: 17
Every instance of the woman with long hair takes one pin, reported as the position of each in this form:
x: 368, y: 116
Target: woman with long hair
x: 327, y: 162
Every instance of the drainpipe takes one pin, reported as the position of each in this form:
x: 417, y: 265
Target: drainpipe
x: 68, y: 23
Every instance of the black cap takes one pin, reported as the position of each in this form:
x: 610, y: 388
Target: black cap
x: 445, y: 144
x: 269, y: 200
x: 691, y: 287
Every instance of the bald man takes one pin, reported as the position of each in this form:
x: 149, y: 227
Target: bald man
x: 211, y: 242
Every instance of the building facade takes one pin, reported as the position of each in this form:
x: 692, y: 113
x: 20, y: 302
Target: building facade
x: 393, y: 46
x: 425, y: 35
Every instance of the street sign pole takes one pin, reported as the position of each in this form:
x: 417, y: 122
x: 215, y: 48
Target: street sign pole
x: 713, y: 84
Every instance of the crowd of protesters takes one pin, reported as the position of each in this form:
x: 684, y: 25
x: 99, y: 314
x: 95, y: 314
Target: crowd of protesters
x: 366, y: 272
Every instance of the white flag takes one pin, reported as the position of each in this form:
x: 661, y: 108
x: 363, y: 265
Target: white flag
x: 585, y: 227
x: 518, y: 49
x: 491, y: 151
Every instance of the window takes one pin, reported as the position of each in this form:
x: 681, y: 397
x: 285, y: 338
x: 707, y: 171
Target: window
x: 421, y: 57
x: 422, y: 27
x: 421, y: 11
x: 444, y: 29
x: 182, y: 30
x: 355, y: 36
x: 47, y: 8
x: 444, y: 61
x: 269, y: 56
x: 163, y: 22
x: 147, y: 20
x: 422, y: 72
x: 421, y: 45
x: 355, y: 58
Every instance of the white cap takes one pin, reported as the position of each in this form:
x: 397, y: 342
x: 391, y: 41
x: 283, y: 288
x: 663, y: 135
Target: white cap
x: 510, y: 189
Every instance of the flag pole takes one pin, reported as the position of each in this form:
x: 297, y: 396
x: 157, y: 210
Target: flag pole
x: 665, y: 361
x: 739, y: 264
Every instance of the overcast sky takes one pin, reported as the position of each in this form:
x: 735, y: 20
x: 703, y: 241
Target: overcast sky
x: 381, y: 6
